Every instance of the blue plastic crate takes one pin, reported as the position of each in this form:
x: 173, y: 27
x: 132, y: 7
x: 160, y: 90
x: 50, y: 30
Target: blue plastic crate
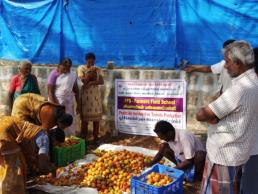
x: 139, y: 185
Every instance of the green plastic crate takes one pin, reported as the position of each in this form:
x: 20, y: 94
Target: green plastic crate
x: 64, y: 156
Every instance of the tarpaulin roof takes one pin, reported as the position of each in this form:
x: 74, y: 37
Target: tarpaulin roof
x: 145, y: 33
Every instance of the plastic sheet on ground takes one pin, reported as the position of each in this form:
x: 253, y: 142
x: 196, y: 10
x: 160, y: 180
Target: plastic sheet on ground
x: 65, y: 190
x: 87, y: 159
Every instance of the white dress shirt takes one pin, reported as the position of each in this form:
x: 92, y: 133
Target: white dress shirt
x: 185, y: 145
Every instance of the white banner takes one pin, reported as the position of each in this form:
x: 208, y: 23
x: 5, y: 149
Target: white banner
x: 141, y: 103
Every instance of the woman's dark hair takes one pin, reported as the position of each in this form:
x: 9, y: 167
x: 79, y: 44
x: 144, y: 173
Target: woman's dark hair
x: 228, y: 42
x: 90, y: 56
x: 66, y: 62
x: 65, y: 119
x: 57, y: 134
x: 163, y: 127
x: 59, y: 111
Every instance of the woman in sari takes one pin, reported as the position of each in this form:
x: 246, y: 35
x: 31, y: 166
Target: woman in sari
x: 66, y: 91
x: 91, y: 104
x: 24, y: 82
x: 51, y: 81
x: 24, y: 150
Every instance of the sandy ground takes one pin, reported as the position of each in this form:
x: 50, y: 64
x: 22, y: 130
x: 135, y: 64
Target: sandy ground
x: 141, y: 141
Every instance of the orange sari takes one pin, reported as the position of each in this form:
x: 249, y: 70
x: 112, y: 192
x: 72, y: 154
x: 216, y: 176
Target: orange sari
x: 17, y: 151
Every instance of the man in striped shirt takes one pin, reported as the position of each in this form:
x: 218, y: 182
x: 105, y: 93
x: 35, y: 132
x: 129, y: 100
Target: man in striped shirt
x: 250, y: 169
x: 233, y: 118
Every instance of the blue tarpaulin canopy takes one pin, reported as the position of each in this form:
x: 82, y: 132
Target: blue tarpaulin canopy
x: 145, y: 33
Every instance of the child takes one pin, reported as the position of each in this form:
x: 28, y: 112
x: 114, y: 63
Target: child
x: 181, y: 147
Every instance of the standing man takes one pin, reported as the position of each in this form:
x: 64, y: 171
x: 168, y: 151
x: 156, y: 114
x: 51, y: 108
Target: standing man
x: 218, y: 68
x: 234, y: 118
x: 250, y: 169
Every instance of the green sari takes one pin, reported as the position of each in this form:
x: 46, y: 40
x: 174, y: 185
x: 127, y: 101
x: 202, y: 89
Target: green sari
x: 29, y: 86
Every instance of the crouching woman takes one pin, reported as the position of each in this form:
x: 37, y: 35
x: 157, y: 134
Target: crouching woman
x: 24, y: 150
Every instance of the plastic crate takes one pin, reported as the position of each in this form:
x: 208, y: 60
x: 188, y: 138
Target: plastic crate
x: 139, y: 185
x: 62, y: 156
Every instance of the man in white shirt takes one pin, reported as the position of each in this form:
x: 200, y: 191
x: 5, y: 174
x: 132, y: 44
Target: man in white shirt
x: 250, y: 169
x: 218, y: 68
x: 234, y: 126
x: 181, y: 147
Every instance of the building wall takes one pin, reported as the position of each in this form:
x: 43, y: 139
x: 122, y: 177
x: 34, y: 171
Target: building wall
x: 200, y: 91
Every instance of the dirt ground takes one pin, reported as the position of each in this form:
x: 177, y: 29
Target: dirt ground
x: 141, y: 141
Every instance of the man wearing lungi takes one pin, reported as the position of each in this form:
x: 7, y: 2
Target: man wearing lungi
x: 250, y: 169
x: 233, y: 118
